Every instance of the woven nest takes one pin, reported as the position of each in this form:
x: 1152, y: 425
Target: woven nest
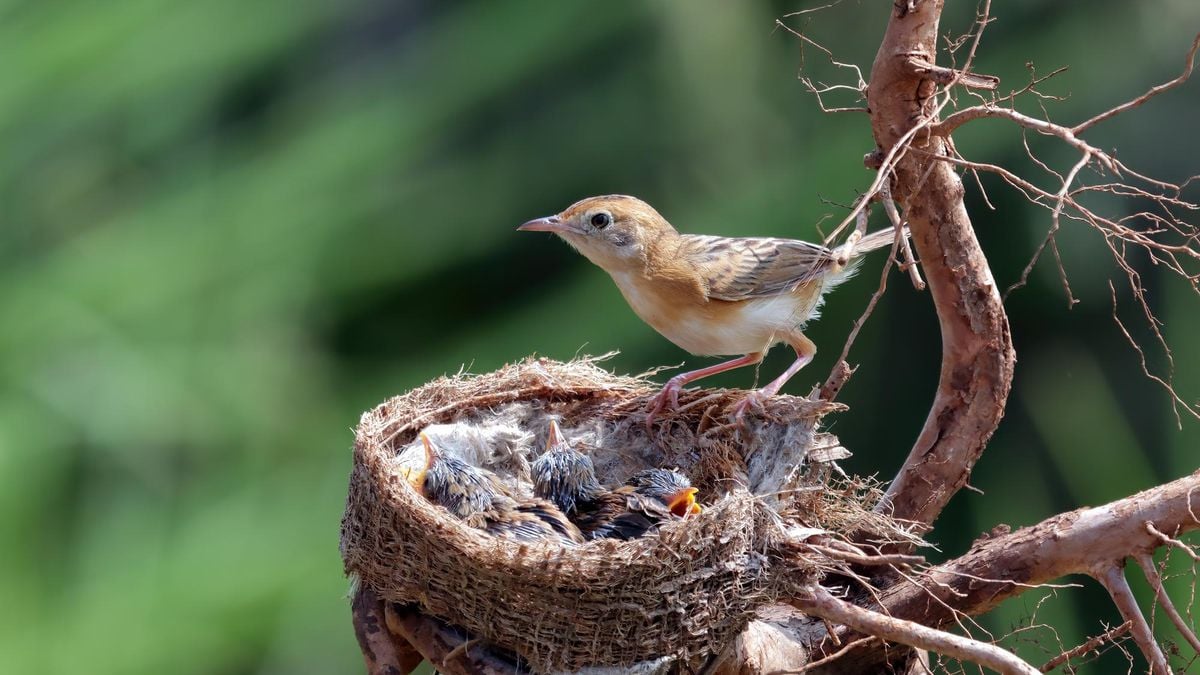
x: 683, y: 592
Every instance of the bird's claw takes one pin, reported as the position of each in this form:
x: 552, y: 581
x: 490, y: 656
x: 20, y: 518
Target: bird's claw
x: 753, y: 399
x: 667, y: 399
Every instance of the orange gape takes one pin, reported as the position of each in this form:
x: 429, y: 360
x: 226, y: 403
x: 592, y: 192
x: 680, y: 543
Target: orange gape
x: 711, y: 296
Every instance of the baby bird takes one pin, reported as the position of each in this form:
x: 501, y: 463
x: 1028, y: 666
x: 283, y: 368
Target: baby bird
x: 477, y: 497
x: 711, y: 296
x: 566, y: 477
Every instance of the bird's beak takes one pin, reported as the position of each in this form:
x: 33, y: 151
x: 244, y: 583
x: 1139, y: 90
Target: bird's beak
x: 431, y: 452
x: 415, y: 476
x: 683, y: 503
x: 548, y: 224
x: 554, y: 437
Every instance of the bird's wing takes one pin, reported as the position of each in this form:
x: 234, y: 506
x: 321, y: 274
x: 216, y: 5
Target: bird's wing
x: 639, y: 515
x: 626, y: 526
x: 549, y: 514
x: 743, y: 268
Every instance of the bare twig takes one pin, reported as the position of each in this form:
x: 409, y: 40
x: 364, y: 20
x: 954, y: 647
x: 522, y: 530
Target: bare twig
x: 950, y: 76
x: 961, y: 117
x: 870, y: 308
x: 1147, y: 564
x: 1154, y: 91
x: 838, y: 376
x: 1171, y: 541
x: 1087, y: 647
x: 1113, y: 580
x: 865, y: 559
x: 819, y: 602
x: 910, y: 264
x: 824, y: 661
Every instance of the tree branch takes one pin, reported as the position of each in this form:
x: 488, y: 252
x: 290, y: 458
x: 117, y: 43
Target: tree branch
x: 383, y: 652
x: 1113, y: 579
x: 977, y: 353
x: 449, y: 649
x: 1160, y: 594
x: 1005, y: 565
x: 820, y: 602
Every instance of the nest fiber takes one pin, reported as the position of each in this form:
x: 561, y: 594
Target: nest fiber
x: 683, y: 592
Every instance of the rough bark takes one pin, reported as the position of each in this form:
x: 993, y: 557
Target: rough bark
x: 383, y: 652
x: 977, y: 353
x: 1006, y: 564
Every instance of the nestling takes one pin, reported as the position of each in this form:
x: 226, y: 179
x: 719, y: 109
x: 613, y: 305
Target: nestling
x: 477, y: 497
x: 566, y: 477
x: 712, y: 296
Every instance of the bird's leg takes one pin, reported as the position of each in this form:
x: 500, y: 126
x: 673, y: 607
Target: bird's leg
x: 668, y: 398
x: 805, y: 351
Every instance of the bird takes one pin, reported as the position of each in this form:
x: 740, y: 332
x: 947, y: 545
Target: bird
x: 477, y: 497
x: 567, y: 478
x: 711, y: 296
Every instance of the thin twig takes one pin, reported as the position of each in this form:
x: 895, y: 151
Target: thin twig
x: 819, y: 602
x: 910, y: 263
x: 861, y: 642
x: 1147, y: 564
x: 1170, y: 541
x: 1153, y: 91
x: 1113, y: 580
x: 1087, y: 647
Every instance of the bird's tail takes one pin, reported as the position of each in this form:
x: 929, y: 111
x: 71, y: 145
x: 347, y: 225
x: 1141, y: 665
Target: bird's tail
x: 846, y: 257
x: 875, y: 240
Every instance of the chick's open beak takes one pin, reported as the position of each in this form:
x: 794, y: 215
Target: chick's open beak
x: 683, y: 503
x: 548, y: 224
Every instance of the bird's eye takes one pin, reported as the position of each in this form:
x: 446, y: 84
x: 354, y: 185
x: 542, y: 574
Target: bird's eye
x: 601, y: 220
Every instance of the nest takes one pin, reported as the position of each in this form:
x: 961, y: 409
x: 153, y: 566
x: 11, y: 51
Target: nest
x: 683, y: 592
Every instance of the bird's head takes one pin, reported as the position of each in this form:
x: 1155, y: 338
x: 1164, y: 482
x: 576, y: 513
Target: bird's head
x: 462, y: 489
x: 562, y: 474
x: 670, y: 487
x: 613, y: 231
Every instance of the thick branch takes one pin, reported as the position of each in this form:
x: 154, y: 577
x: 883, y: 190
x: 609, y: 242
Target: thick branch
x: 450, y: 650
x: 1006, y: 565
x: 977, y: 354
x: 383, y: 652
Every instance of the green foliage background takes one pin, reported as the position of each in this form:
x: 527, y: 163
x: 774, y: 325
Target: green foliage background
x: 227, y: 228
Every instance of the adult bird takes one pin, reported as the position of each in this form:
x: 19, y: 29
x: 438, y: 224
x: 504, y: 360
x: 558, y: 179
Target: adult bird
x: 567, y: 477
x: 477, y: 497
x: 712, y: 296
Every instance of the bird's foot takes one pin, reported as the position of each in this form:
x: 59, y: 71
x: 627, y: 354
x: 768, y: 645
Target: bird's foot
x: 753, y: 399
x: 667, y: 399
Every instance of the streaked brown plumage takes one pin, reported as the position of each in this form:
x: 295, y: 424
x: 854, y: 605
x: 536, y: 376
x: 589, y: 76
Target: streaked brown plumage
x: 566, y: 477
x: 478, y: 498
x: 711, y: 296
